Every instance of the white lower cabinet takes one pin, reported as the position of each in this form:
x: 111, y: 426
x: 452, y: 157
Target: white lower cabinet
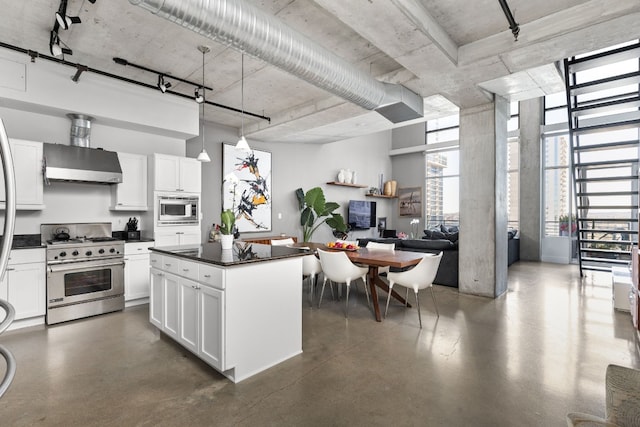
x: 156, y: 297
x: 136, y: 272
x: 24, y: 285
x: 190, y: 312
x: 225, y: 314
x: 175, y: 238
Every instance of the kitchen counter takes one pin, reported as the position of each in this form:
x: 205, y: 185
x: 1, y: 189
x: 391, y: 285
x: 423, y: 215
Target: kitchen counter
x: 241, y: 253
x: 238, y: 310
x: 26, y: 241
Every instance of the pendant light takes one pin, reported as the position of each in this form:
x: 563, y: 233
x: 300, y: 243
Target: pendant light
x: 203, y: 156
x: 242, y: 142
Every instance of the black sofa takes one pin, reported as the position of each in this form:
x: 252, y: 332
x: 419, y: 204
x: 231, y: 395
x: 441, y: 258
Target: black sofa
x: 448, y: 244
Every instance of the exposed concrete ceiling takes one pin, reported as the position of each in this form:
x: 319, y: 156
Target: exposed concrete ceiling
x: 454, y: 53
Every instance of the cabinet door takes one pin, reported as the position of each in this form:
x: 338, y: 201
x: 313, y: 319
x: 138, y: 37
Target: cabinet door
x: 190, y: 175
x: 131, y: 193
x: 27, y: 160
x: 171, y: 306
x: 190, y: 238
x: 136, y: 277
x: 166, y: 172
x: 212, y: 327
x: 189, y: 315
x: 166, y: 239
x: 26, y: 289
x: 156, y: 297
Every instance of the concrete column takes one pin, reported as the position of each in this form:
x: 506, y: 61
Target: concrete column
x: 530, y: 179
x: 483, y: 199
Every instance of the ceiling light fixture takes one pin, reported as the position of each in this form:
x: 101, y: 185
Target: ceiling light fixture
x: 203, y: 156
x: 54, y: 45
x: 162, y: 85
x: 66, y: 21
x: 199, y: 97
x: 242, y: 142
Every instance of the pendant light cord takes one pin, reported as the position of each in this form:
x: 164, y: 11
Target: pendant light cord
x: 204, y: 98
x: 242, y: 95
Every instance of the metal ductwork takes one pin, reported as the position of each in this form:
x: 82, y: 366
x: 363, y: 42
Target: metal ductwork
x: 248, y: 29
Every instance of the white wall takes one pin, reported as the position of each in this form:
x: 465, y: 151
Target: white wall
x: 300, y: 166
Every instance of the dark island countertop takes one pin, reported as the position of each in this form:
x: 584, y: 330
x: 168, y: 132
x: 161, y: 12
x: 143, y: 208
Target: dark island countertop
x: 241, y: 253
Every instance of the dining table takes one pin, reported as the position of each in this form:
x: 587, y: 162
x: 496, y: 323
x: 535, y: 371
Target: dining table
x: 374, y: 259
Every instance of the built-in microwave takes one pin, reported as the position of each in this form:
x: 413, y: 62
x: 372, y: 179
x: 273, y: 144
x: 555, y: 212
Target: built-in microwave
x: 177, y: 210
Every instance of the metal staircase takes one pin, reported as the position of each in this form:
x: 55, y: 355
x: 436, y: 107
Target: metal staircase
x: 603, y: 105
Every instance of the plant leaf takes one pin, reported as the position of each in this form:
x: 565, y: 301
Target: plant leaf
x: 300, y: 196
x: 307, y: 218
x: 315, y: 199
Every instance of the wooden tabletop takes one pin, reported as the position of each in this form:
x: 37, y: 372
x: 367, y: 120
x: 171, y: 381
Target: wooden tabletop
x: 373, y: 257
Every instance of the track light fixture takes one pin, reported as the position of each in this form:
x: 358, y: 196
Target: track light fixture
x: 66, y: 21
x: 203, y: 156
x: 55, y: 45
x: 199, y: 97
x: 79, y: 70
x: 63, y: 20
x: 162, y: 85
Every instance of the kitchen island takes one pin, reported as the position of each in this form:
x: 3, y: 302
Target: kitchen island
x: 239, y: 310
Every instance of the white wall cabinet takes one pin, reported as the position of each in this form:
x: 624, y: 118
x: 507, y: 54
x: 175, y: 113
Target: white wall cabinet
x: 131, y: 193
x: 175, y: 173
x: 27, y: 160
x: 24, y: 286
x: 175, y: 238
x: 136, y: 272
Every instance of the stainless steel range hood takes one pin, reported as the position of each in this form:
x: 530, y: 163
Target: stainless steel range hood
x: 81, y: 164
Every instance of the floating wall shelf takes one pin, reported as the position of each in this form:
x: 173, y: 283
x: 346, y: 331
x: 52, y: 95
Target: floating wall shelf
x: 381, y: 196
x: 344, y: 184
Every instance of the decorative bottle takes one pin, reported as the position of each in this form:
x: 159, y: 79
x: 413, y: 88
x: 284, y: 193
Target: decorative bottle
x: 341, y: 176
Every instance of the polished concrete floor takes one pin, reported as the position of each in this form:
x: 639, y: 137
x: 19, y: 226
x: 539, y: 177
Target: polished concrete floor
x: 524, y: 359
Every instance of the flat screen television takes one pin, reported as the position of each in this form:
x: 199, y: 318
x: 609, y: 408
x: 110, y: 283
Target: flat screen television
x: 362, y: 214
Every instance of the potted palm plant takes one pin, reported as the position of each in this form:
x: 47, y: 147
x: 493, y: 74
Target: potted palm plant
x: 315, y: 211
x: 228, y: 216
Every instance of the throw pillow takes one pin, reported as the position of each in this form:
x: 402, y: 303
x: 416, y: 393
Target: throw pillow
x: 428, y: 244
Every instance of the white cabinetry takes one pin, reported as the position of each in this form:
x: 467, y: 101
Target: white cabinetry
x: 225, y: 319
x: 190, y: 312
x: 24, y: 286
x: 175, y: 173
x: 174, y: 238
x: 136, y: 272
x: 27, y: 160
x: 131, y: 193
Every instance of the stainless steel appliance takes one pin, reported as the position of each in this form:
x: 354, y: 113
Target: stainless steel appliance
x: 177, y: 210
x: 85, y: 271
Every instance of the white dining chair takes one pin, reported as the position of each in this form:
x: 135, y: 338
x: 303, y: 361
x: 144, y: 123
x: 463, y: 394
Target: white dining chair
x: 419, y: 277
x: 311, y: 268
x: 282, y: 242
x: 382, y: 247
x: 337, y: 267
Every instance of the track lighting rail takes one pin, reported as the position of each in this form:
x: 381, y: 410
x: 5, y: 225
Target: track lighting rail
x: 124, y: 62
x: 34, y: 54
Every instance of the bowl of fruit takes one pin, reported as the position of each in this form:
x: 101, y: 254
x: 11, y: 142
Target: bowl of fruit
x: 343, y: 246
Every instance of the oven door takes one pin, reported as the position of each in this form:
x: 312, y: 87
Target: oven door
x: 70, y: 283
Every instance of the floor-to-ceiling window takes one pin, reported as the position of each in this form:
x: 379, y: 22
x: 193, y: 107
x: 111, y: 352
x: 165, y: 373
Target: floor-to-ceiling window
x: 442, y: 177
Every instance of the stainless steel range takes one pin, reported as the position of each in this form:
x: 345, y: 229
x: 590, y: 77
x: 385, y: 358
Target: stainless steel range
x: 85, y: 270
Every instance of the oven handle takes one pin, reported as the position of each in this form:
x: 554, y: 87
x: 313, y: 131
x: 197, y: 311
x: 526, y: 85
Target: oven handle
x: 54, y: 268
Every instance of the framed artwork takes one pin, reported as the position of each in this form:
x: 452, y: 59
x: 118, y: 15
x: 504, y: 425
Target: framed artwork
x: 410, y: 202
x: 246, y: 187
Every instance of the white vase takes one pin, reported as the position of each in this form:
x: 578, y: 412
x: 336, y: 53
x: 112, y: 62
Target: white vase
x: 226, y: 240
x: 341, y: 176
x: 227, y: 255
x: 347, y: 176
x: 354, y: 177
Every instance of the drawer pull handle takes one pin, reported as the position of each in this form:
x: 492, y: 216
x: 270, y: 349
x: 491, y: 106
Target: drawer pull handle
x: 10, y: 269
x: 207, y: 276
x: 167, y: 265
x: 185, y: 269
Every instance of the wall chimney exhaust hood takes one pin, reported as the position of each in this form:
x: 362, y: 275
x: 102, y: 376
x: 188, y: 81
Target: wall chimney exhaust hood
x: 81, y: 164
